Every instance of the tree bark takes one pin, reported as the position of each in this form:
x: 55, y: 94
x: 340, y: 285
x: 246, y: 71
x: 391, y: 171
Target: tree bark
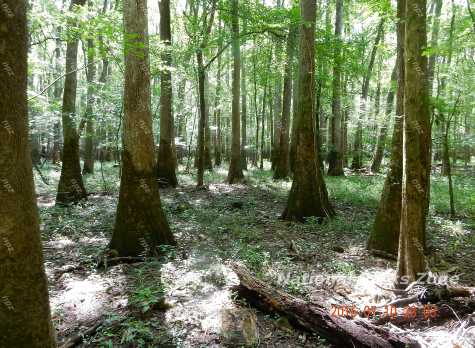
x: 335, y: 158
x: 293, y: 134
x: 57, y: 96
x: 71, y: 188
x: 385, y: 232
x: 276, y: 125
x: 24, y: 306
x: 416, y: 144
x: 282, y: 169
x: 256, y: 113
x: 442, y: 88
x: 308, y: 196
x: 207, y: 159
x: 243, y: 111
x: 166, y: 163
x: 88, y: 167
x: 202, y: 119
x: 381, y: 142
x: 140, y: 225
x: 235, y: 173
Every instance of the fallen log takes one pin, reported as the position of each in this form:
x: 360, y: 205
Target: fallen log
x: 314, y: 317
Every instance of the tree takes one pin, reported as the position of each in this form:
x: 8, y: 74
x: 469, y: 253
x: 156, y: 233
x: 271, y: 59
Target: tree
x: 235, y: 169
x: 383, y: 131
x: 335, y: 156
x: 243, y: 111
x: 308, y: 196
x: 416, y: 144
x: 25, y: 313
x: 200, y: 39
x: 90, y: 101
x: 385, y: 232
x: 282, y: 169
x: 357, y: 162
x: 71, y: 187
x: 166, y: 152
x: 140, y: 225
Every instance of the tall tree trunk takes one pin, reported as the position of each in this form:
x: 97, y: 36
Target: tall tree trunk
x: 202, y: 119
x: 243, y: 111
x: 416, y: 143
x: 357, y: 162
x: 70, y: 188
x: 443, y: 86
x: 57, y: 96
x: 381, y: 142
x: 308, y: 196
x: 282, y: 166
x: 263, y: 118
x: 276, y: 125
x: 335, y: 158
x: 88, y: 167
x: 449, y: 169
x: 140, y: 225
x: 431, y: 73
x: 293, y: 134
x: 166, y: 164
x: 235, y: 170
x: 256, y: 113
x: 207, y: 159
x: 181, y: 113
x: 217, y: 113
x: 385, y: 232
x: 25, y: 313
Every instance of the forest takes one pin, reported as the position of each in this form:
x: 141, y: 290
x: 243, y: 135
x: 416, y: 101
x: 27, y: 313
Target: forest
x: 237, y: 173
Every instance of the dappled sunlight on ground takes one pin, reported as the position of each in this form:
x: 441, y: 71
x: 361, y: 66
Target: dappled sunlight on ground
x: 325, y: 262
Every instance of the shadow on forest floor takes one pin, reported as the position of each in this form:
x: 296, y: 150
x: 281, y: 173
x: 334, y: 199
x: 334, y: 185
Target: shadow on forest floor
x: 325, y: 262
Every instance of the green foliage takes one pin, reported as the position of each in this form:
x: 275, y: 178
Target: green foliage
x: 145, y: 298
x: 137, y: 332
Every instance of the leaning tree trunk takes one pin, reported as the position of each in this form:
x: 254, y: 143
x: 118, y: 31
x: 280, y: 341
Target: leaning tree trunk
x: 416, y: 144
x: 381, y: 142
x: 357, y: 162
x: 70, y: 188
x: 308, y: 196
x: 335, y: 158
x: 235, y: 169
x: 24, y: 307
x: 282, y: 169
x: 140, y: 225
x: 166, y: 163
x: 88, y: 167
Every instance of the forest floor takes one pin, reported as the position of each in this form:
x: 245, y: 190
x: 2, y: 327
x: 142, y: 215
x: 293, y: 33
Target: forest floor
x: 326, y: 262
